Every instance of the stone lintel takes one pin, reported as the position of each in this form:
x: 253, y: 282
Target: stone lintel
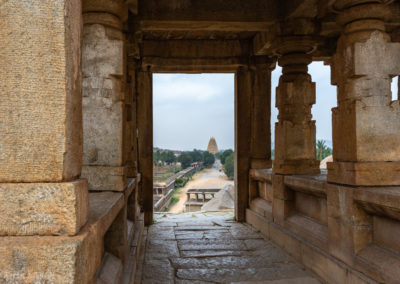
x: 296, y: 167
x: 194, y: 65
x: 260, y: 164
x: 104, y: 178
x: 43, y: 208
x: 185, y: 48
x: 364, y: 174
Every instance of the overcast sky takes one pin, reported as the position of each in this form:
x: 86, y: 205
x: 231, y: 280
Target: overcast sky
x: 191, y: 108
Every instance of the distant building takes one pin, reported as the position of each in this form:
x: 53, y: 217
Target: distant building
x: 212, y: 146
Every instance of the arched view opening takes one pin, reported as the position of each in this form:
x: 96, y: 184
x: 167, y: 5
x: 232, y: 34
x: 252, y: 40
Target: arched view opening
x: 193, y: 156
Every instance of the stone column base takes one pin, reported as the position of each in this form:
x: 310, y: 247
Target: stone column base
x: 296, y: 167
x: 43, y: 208
x: 103, y: 178
x: 51, y: 259
x: 364, y: 174
x: 260, y: 164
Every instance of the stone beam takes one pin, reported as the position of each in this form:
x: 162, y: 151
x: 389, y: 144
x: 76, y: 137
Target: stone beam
x: 226, y: 15
x: 189, y: 65
x: 301, y: 8
x: 195, y: 48
x: 132, y: 6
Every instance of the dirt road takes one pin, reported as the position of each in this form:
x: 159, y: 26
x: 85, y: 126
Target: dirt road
x: 209, y: 178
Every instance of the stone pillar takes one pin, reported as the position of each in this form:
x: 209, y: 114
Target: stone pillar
x: 41, y: 119
x: 295, y: 95
x: 144, y: 81
x: 104, y: 75
x: 366, y: 124
x: 42, y: 200
x: 243, y: 109
x: 130, y: 128
x: 261, y: 114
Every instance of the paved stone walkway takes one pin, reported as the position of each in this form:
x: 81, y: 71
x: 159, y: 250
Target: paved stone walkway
x: 212, y: 248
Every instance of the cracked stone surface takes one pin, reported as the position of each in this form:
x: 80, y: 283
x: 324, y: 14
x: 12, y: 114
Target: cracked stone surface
x: 211, y: 248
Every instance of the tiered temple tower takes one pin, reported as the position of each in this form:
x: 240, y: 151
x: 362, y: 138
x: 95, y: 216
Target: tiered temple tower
x: 212, y: 146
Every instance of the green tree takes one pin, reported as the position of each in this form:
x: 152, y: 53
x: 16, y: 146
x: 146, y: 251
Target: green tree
x: 229, y: 167
x: 323, y: 151
x: 208, y: 159
x: 224, y: 155
x: 185, y: 159
x: 196, y: 155
x: 170, y: 157
x: 156, y: 157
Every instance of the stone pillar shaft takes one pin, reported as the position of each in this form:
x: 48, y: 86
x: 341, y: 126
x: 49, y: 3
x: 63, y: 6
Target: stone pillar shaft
x: 295, y: 131
x: 366, y: 127
x: 42, y: 200
x: 261, y: 117
x: 144, y: 80
x: 131, y: 126
x: 104, y: 87
x: 243, y: 86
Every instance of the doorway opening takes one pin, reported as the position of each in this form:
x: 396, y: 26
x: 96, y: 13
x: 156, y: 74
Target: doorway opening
x: 193, y: 154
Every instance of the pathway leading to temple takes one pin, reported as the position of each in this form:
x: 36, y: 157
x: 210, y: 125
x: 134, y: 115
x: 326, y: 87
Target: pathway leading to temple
x: 209, y: 178
x: 212, y: 248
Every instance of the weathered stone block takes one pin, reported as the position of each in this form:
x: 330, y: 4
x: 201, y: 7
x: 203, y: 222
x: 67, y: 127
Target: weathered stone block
x: 40, y: 87
x: 364, y: 174
x: 350, y: 227
x: 296, y: 141
x: 103, y: 96
x: 364, y: 140
x: 280, y: 191
x: 300, y: 91
x: 260, y: 163
x: 296, y: 167
x: 43, y: 208
x: 281, y: 209
x: 50, y: 259
x: 105, y: 178
x: 115, y: 240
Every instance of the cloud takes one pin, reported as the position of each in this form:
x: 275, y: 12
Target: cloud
x: 185, y: 88
x: 190, y: 108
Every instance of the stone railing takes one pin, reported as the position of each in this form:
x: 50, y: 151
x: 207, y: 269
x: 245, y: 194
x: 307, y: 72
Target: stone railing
x: 167, y: 188
x: 344, y: 234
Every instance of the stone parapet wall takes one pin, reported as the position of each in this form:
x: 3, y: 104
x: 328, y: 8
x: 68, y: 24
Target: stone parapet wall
x: 342, y: 233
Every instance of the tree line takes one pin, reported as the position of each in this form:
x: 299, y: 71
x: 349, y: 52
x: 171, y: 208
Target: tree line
x: 185, y: 158
x: 228, y: 160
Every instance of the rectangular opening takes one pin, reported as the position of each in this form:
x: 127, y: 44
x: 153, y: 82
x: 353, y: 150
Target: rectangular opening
x: 193, y: 130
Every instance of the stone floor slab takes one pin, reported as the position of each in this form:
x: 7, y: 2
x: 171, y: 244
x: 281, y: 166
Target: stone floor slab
x: 211, y: 244
x: 207, y: 249
x: 210, y: 253
x: 224, y: 275
x: 159, y: 249
x: 226, y: 262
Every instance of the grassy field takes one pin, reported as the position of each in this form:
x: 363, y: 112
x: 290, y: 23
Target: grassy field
x: 160, y: 174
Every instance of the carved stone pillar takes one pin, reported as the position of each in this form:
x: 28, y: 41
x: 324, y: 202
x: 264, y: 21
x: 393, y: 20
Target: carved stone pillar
x: 261, y: 113
x: 104, y: 75
x: 295, y: 95
x: 366, y: 123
